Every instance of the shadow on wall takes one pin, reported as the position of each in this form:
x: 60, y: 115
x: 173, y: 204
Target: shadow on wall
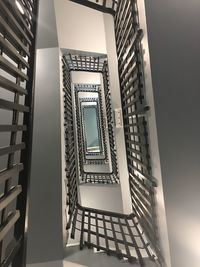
x: 87, y: 258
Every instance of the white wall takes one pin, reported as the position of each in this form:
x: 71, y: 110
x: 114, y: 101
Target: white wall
x: 85, y: 77
x: 103, y: 197
x: 79, y: 27
x: 174, y: 42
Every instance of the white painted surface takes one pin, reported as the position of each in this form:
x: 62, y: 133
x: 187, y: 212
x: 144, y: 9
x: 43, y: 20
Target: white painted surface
x: 104, y: 197
x: 79, y: 27
x: 85, y: 77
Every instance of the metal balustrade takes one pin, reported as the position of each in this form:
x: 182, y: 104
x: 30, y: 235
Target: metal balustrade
x: 117, y: 234
x: 131, y: 236
x: 106, y: 6
x: 130, y: 61
x: 86, y: 177
x: 83, y: 174
x: 99, y: 64
x: 93, y: 89
x: 80, y: 126
x: 109, y: 114
x: 99, y: 178
x: 70, y: 151
x: 17, y: 57
x: 78, y: 62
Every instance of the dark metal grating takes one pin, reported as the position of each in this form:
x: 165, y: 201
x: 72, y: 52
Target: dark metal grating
x: 130, y: 61
x: 106, y: 6
x: 85, y: 62
x: 96, y: 64
x: 100, y: 126
x: 99, y: 178
x: 70, y: 154
x: 108, y: 178
x: 17, y: 56
x: 142, y: 184
x: 117, y: 234
x: 110, y: 120
x: 97, y: 89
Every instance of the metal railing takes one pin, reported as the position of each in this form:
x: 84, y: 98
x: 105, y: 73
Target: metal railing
x: 130, y: 61
x: 117, y: 234
x: 142, y: 183
x: 106, y: 6
x: 78, y: 88
x: 95, y: 64
x: 17, y: 56
x: 70, y: 151
x: 109, y: 114
x: 78, y: 62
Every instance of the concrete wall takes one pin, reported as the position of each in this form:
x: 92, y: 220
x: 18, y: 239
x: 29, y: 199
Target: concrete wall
x: 174, y: 41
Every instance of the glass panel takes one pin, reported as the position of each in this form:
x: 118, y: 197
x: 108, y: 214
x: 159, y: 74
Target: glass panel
x: 91, y: 129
